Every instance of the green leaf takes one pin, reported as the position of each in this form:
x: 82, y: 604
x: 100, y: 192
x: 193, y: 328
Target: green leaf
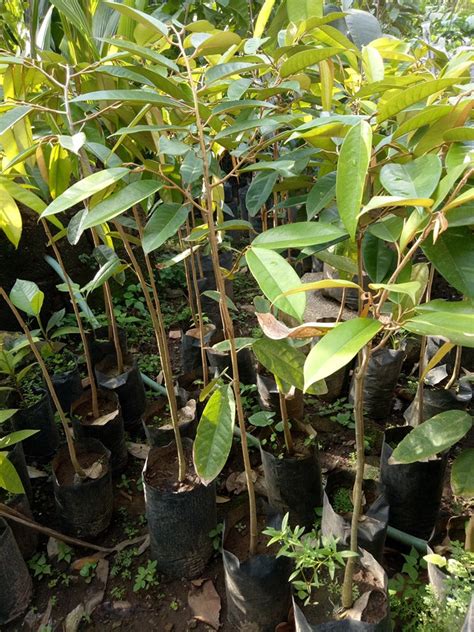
x: 240, y: 343
x: 216, y: 296
x: 407, y: 97
x: 10, y: 217
x: 59, y: 171
x: 72, y: 143
x: 387, y: 201
x: 259, y: 191
x: 388, y: 229
x: 217, y: 43
x: 109, y: 269
x: 299, y: 235
x: 16, y: 437
x: 453, y: 321
x: 214, y: 434
x: 275, y: 275
x: 342, y: 264
x: 323, y: 283
x: 143, y: 52
x: 6, y: 414
x: 8, y: 120
x: 191, y: 168
x: 299, y: 10
x: 352, y: 167
x: 263, y: 17
x: 140, y: 17
x: 379, y: 259
x: 416, y: 179
x: 363, y: 27
x: 410, y: 288
x: 221, y: 71
x: 306, y: 58
x: 132, y: 96
x: 9, y: 478
x: 338, y: 347
x: 462, y: 474
x: 434, y: 558
x: 262, y: 419
x: 285, y: 362
x: 432, y: 437
x: 84, y: 189
x: 422, y: 118
x: 27, y: 296
x: 453, y: 256
x: 120, y: 201
x: 163, y: 224
x: 323, y: 192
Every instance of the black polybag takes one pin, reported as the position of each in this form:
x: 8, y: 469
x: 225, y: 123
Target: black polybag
x: 294, y: 485
x: 84, y: 505
x: 16, y: 587
x: 179, y: 522
x: 413, y: 490
x: 380, y: 380
x: 372, y: 530
x: 40, y: 417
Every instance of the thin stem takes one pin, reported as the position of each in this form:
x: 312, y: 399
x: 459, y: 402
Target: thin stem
x: 359, y: 378
x: 70, y: 443
x: 115, y: 332
x: 200, y: 323
x: 420, y: 394
x: 226, y: 318
x: 290, y: 448
x: 456, y: 369
x: 188, y: 275
x: 85, y: 345
x: 341, y: 308
x: 157, y: 320
x: 469, y: 542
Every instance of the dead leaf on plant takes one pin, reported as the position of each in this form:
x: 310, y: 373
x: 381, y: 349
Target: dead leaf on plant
x: 34, y: 472
x: 138, y: 450
x: 205, y: 603
x: 104, y: 419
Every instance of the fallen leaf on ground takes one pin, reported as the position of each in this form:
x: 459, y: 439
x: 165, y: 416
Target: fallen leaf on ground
x: 104, y: 419
x: 138, y: 450
x: 34, y: 472
x: 77, y: 565
x: 205, y: 604
x: 95, y: 470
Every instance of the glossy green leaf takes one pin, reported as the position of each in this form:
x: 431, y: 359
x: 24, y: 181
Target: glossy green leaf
x: 410, y: 288
x: 322, y: 284
x: 140, y: 17
x: 464, y: 198
x: 11, y: 117
x: 341, y: 263
x: 275, y: 275
x: 372, y: 62
x: 120, y: 201
x: 462, y: 474
x: 352, y: 167
x: 407, y: 97
x: 72, y: 143
x: 259, y: 191
x: 451, y: 320
x: 299, y: 10
x: 27, y: 296
x: 388, y: 229
x: 388, y: 201
x: 15, y: 437
x: 131, y: 96
x: 299, y: 235
x: 216, y: 296
x: 338, y: 347
x: 163, y: 224
x: 285, y: 362
x: 453, y: 256
x: 415, y: 179
x: 218, y: 43
x: 379, y: 259
x: 191, y: 168
x: 262, y: 419
x: 221, y: 71
x: 214, y: 434
x: 425, y: 116
x: 323, y: 192
x: 143, y: 52
x: 432, y: 437
x: 84, y: 189
x: 6, y: 414
x: 307, y: 58
x: 9, y: 478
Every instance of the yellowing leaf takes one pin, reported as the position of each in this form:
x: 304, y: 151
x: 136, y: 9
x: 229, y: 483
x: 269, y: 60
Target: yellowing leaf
x: 10, y: 217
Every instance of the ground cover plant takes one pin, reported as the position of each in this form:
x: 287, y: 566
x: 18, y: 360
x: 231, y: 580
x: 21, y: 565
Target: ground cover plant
x: 243, y: 268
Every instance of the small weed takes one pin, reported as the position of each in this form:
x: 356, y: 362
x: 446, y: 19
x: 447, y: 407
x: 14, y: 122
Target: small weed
x: 145, y: 577
x: 122, y: 563
x: 216, y: 536
x: 88, y: 571
x: 342, y: 502
x: 174, y: 604
x: 65, y: 553
x: 39, y: 565
x: 118, y: 593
